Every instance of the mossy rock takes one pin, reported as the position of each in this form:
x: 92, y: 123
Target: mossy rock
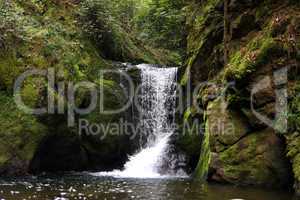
x: 293, y: 153
x: 244, y: 24
x: 225, y: 126
x: 202, y: 169
x: 20, y: 135
x: 243, y: 151
x: 83, y: 147
x: 257, y: 159
x: 107, y: 145
x: 257, y: 53
x: 204, y: 22
x: 189, y: 138
x: 268, y: 45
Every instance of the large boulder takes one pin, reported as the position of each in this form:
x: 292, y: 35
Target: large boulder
x: 238, y: 154
x: 258, y: 159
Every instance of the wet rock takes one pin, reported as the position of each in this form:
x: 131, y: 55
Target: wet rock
x: 257, y: 159
x: 188, y: 139
x: 226, y: 127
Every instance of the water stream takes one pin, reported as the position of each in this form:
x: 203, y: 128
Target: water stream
x: 81, y: 186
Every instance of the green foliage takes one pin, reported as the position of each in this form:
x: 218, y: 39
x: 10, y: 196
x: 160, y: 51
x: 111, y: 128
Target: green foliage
x: 162, y: 24
x: 293, y: 153
x: 125, y: 12
x: 8, y: 71
x: 294, y: 109
x: 96, y: 18
x: 156, y: 23
x: 258, y: 52
x: 101, y: 21
x: 11, y: 29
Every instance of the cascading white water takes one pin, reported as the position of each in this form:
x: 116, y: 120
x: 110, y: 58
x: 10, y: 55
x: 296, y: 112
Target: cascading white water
x: 156, y: 105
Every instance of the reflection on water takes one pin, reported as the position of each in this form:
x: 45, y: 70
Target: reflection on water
x: 92, y: 188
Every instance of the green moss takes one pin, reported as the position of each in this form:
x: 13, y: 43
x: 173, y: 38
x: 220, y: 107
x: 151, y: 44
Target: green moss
x: 257, y: 160
x: 257, y: 53
x: 294, y: 109
x: 20, y: 133
x: 202, y: 20
x: 227, y: 126
x: 190, y: 112
x: 190, y: 142
x: 202, y: 168
x: 9, y: 70
x: 293, y: 153
x: 186, y: 76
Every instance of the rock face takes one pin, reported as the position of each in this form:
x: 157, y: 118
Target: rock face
x: 63, y: 36
x: 188, y: 139
x: 250, y: 99
x: 242, y: 157
x: 258, y: 159
x: 226, y: 127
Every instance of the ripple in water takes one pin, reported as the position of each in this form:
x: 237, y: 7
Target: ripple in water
x: 82, y: 186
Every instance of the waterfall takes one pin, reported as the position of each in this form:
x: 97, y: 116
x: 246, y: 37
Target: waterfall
x: 157, y: 103
x: 156, y: 106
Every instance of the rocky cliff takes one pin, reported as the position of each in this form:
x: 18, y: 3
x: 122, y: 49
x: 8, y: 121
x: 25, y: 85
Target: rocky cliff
x: 249, y: 99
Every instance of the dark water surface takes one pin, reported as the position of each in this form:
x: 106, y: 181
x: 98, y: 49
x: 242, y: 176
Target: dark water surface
x: 89, y: 188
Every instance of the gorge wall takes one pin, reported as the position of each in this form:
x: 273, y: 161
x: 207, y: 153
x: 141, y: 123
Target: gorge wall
x: 264, y: 44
